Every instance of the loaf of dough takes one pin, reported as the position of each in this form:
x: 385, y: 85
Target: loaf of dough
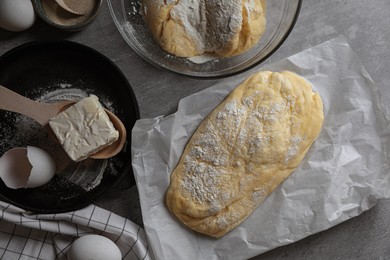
x: 188, y: 28
x: 243, y: 150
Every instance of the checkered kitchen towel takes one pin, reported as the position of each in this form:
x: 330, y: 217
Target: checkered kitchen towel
x: 49, y: 236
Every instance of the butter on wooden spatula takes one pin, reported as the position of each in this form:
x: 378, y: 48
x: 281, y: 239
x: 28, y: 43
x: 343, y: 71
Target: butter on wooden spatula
x: 84, y: 128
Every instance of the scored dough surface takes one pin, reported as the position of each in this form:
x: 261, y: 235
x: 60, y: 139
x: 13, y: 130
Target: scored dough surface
x: 243, y: 150
x: 188, y: 28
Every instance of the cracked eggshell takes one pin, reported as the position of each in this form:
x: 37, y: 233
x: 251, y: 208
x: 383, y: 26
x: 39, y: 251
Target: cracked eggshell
x: 43, y: 167
x: 29, y: 167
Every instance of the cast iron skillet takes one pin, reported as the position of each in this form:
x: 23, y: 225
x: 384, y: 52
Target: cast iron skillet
x: 37, y: 67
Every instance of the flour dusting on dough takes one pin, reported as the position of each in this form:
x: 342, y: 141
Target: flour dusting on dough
x: 244, y: 149
x: 188, y: 28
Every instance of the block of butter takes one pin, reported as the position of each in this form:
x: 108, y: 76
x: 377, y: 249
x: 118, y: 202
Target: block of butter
x: 84, y: 128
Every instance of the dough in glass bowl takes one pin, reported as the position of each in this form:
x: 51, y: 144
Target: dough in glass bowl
x: 189, y: 28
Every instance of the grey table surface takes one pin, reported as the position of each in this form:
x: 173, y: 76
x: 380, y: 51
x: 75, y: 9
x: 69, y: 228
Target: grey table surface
x: 366, y: 26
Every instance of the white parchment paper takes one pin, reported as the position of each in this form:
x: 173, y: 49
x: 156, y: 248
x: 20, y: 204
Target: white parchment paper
x: 343, y: 174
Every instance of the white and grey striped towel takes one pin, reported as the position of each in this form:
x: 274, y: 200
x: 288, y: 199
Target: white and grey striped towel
x: 49, y: 236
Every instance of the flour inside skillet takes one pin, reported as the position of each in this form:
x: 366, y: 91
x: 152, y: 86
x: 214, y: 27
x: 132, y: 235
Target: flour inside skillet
x: 22, y: 131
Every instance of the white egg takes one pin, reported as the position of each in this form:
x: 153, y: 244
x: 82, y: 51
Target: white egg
x: 29, y: 167
x: 16, y: 15
x: 94, y: 247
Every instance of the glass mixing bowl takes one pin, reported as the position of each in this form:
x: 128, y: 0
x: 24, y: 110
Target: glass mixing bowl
x: 281, y: 16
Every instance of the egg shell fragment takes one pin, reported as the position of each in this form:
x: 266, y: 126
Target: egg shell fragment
x: 15, y: 168
x: 43, y: 167
x: 29, y: 167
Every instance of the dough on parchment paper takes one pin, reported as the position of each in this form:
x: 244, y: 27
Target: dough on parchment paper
x: 243, y: 150
x: 189, y: 28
